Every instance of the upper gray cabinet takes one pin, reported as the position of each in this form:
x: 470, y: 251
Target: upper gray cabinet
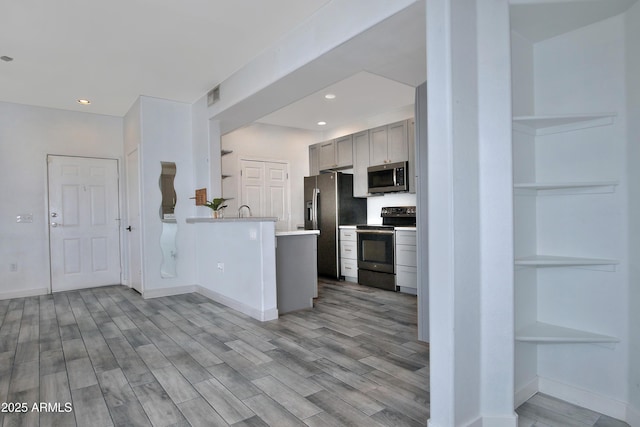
x: 389, y: 144
x: 335, y: 154
x: 327, y: 155
x: 360, y: 163
x: 314, y: 167
x: 344, y: 151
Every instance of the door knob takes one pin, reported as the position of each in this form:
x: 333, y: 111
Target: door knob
x: 54, y: 224
x: 54, y: 214
x: 129, y: 229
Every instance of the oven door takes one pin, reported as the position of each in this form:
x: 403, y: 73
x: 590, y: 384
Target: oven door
x: 376, y: 250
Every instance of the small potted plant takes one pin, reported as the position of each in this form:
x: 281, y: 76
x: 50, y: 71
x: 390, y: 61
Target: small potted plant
x: 216, y: 206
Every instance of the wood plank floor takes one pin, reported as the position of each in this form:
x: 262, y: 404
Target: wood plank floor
x: 117, y: 359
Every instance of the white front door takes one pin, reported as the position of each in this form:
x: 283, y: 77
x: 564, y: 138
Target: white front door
x: 265, y: 189
x: 84, y: 224
x: 133, y: 222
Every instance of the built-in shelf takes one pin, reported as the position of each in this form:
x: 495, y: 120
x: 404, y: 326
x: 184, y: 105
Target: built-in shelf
x: 542, y: 188
x: 549, y: 124
x: 225, y: 152
x: 561, y: 261
x: 540, y: 332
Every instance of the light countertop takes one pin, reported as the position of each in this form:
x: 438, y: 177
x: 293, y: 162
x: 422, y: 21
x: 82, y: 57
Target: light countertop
x: 297, y: 233
x: 232, y: 219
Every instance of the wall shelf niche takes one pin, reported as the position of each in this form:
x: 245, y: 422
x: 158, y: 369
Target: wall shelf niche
x: 550, y: 124
x: 553, y: 260
x: 561, y: 188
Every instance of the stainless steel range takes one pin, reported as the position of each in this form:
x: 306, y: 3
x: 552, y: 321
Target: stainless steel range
x: 376, y: 247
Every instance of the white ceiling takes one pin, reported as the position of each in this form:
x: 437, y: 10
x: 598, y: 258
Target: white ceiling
x: 112, y: 52
x: 357, y: 97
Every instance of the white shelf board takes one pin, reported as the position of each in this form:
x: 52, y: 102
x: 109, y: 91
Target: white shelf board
x: 549, y: 124
x: 560, y: 261
x: 540, y: 332
x: 593, y: 187
x: 538, y: 20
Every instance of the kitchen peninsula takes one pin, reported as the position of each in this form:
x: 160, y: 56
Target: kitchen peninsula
x: 245, y: 264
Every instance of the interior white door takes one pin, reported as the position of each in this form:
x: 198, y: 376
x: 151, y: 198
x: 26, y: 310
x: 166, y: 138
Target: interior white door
x: 252, y: 186
x: 84, y: 222
x: 265, y: 189
x: 277, y: 194
x: 133, y: 222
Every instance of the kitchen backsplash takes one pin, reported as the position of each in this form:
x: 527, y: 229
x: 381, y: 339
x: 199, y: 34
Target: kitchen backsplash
x: 376, y: 203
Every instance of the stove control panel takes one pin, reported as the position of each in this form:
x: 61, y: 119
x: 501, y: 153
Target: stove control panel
x: 398, y: 211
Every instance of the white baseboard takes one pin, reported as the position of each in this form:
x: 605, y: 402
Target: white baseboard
x: 506, y: 421
x: 525, y: 392
x: 270, y: 314
x: 585, y: 398
x: 263, y: 316
x: 167, y: 292
x: 24, y: 293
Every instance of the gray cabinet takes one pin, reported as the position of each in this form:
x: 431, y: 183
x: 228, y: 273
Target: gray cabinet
x: 314, y: 168
x: 406, y: 261
x: 360, y: 163
x: 344, y: 151
x: 334, y: 154
x: 327, y: 155
x: 348, y: 254
x: 388, y: 143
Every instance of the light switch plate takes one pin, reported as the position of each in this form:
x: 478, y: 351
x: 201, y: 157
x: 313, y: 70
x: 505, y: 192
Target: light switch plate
x: 24, y: 218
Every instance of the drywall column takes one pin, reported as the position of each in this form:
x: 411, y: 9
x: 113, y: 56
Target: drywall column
x: 471, y: 300
x: 632, y: 26
x: 496, y: 214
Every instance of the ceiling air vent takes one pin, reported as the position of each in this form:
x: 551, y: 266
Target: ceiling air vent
x: 213, y: 96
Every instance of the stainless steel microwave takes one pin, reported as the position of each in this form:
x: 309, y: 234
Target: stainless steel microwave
x: 388, y: 177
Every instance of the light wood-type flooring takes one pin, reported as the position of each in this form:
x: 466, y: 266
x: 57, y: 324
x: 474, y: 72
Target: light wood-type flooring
x: 105, y: 356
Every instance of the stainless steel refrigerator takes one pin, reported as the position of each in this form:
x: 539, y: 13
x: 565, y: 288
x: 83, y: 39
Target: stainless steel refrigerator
x: 329, y: 203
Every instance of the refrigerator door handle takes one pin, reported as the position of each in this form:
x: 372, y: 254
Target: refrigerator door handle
x: 316, y: 191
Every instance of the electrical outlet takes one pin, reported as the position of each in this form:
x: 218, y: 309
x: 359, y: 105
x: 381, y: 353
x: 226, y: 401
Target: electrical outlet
x: 221, y: 266
x: 27, y: 217
x: 13, y: 266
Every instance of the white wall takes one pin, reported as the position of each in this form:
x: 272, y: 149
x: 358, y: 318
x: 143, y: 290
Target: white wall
x: 235, y: 245
x: 632, y: 35
x: 581, y: 72
x: 269, y: 143
x: 27, y: 135
x: 166, y: 136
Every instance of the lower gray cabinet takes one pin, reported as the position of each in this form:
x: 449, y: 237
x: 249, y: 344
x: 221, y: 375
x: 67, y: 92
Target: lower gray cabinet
x: 349, y: 254
x: 406, y: 260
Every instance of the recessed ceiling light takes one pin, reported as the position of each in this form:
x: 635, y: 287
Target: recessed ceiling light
x: 330, y: 96
x: 84, y: 101
x: 6, y: 58
x: 322, y: 123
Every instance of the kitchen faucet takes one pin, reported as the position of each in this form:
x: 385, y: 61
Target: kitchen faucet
x: 240, y: 209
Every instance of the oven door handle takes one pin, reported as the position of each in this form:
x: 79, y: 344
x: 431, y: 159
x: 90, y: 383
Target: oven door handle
x: 375, y: 231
